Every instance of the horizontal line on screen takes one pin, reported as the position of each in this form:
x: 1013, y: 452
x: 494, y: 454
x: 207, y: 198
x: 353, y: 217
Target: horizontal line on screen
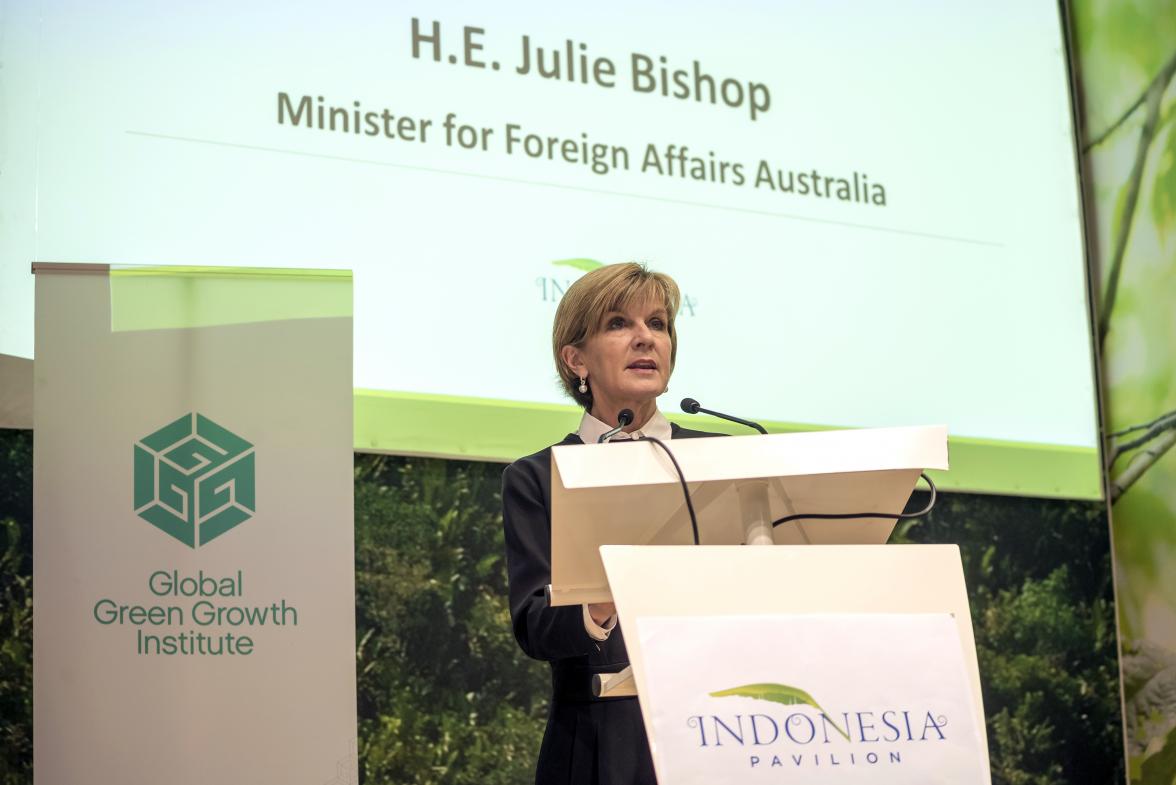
x: 561, y: 186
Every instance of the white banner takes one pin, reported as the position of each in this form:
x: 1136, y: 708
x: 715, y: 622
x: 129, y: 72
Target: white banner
x: 193, y: 552
x: 833, y: 698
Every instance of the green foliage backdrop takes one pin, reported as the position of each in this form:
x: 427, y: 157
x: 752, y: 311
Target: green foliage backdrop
x: 1126, y: 64
x: 445, y: 696
x: 16, y: 607
x: 1039, y: 583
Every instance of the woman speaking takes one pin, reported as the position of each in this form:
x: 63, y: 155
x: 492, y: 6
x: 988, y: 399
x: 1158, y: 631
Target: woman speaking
x: 614, y: 345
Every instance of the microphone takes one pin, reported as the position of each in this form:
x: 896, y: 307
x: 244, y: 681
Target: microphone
x: 624, y: 417
x: 691, y: 406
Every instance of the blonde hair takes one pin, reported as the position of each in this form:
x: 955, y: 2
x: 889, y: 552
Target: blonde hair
x: 605, y: 289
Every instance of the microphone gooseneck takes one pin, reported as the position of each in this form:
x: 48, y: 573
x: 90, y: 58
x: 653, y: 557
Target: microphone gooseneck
x: 691, y: 406
x: 624, y: 417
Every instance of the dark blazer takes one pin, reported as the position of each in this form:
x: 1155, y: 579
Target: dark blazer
x: 588, y: 741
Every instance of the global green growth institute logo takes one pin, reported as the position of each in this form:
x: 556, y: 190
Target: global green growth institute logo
x: 194, y: 479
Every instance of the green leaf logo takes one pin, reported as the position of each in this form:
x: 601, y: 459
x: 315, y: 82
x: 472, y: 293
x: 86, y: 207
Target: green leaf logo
x: 587, y: 265
x: 778, y: 693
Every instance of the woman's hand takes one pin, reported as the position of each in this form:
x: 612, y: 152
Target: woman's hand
x: 602, y: 612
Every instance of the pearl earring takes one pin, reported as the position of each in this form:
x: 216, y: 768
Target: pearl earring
x: 583, y: 385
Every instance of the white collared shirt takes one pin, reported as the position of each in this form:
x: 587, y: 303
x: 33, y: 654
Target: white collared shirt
x: 590, y: 430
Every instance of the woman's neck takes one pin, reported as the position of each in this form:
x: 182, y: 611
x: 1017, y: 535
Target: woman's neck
x: 607, y: 412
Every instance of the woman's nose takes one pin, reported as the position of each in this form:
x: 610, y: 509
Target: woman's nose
x: 642, y: 335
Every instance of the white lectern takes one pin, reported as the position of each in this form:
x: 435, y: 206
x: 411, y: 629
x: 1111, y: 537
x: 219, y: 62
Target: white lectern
x: 621, y: 531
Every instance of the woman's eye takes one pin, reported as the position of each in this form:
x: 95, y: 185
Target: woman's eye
x: 657, y: 324
x: 616, y: 323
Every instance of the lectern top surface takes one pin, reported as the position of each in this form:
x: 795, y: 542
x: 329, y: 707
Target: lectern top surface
x: 753, y: 456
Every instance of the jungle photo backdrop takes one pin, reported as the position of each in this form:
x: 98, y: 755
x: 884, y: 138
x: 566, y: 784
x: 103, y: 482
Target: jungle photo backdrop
x: 447, y: 697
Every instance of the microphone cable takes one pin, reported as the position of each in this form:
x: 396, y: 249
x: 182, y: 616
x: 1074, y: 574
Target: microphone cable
x: 691, y: 406
x: 846, y: 516
x: 682, y: 480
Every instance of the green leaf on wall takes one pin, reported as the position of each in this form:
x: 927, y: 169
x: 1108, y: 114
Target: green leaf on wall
x: 1163, y: 196
x: 1138, y: 31
x: 1117, y: 213
x: 1159, y: 768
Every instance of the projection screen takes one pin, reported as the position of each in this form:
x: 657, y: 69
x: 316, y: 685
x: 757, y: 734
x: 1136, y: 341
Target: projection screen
x: 873, y: 210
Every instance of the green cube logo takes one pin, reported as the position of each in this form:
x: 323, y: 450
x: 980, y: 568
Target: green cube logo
x: 194, y: 479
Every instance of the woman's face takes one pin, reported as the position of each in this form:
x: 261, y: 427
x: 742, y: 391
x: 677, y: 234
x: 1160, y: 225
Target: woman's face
x: 627, y: 361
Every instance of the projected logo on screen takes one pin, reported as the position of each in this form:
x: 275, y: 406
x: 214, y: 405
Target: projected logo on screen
x: 552, y: 289
x: 194, y: 479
